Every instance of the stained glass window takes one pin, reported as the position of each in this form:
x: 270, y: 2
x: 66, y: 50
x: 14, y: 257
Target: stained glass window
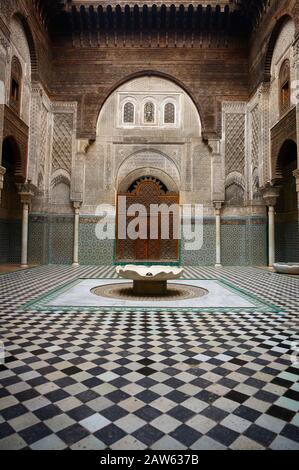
x: 169, y: 113
x: 129, y: 113
x: 149, y: 112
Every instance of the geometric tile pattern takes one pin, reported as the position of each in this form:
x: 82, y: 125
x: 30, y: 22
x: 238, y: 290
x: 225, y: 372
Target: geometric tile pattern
x: 149, y: 380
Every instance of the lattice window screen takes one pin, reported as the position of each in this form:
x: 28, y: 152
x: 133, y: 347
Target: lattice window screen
x: 235, y: 142
x: 62, y: 141
x: 129, y: 111
x: 149, y: 112
x: 169, y: 113
x: 255, y: 129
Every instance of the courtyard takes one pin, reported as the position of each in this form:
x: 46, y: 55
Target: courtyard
x: 154, y: 378
x: 149, y: 227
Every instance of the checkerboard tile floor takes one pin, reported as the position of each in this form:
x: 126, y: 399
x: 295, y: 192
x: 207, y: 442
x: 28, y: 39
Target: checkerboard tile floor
x: 154, y: 379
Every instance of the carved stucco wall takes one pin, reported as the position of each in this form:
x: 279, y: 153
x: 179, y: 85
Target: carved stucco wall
x: 254, y: 160
x: 20, y: 49
x: 62, y: 155
x: 4, y: 61
x: 177, y: 150
x: 235, y: 145
x: 53, y: 149
x: 283, y: 50
x: 39, y: 138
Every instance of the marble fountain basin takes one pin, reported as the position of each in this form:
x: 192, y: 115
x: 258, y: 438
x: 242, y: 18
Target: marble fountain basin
x: 149, y: 280
x: 287, y: 268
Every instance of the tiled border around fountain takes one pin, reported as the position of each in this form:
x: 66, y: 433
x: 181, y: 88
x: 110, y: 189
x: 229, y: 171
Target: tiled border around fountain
x: 76, y: 296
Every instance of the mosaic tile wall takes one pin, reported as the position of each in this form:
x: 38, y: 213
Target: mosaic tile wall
x: 256, y: 243
x: 50, y: 240
x: 244, y: 242
x: 207, y: 255
x: 10, y: 241
x: 287, y: 241
x: 91, y: 250
x: 61, y: 235
x: 38, y: 240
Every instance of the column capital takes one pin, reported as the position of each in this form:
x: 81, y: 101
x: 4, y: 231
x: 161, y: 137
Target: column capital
x: 218, y: 205
x: 215, y: 146
x: 77, y: 205
x: 296, y: 174
x: 83, y: 145
x: 26, y: 192
x: 2, y: 173
x: 270, y: 194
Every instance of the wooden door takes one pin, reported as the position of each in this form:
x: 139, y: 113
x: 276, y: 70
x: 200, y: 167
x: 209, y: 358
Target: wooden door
x: 149, y: 191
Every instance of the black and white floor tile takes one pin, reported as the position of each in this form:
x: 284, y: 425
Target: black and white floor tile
x: 149, y: 380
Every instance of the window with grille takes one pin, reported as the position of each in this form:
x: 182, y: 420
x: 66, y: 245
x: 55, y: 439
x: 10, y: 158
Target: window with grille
x: 284, y: 82
x: 129, y: 113
x: 149, y: 112
x: 169, y: 113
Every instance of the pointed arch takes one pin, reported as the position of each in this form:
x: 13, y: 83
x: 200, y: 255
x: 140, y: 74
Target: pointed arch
x: 151, y: 73
x: 271, y: 46
x: 31, y: 42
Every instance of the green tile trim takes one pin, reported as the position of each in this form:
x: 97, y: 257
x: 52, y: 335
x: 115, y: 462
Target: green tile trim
x: 41, y: 303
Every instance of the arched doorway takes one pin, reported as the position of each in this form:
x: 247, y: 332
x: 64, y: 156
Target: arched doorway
x: 150, y: 244
x: 10, y: 207
x: 286, y: 228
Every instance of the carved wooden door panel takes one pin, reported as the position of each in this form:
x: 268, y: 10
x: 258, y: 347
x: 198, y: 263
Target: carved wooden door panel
x: 147, y: 191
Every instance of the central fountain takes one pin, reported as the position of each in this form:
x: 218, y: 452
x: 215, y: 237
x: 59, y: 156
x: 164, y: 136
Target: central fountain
x: 149, y: 281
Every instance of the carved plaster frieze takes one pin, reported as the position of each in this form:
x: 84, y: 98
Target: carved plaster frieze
x: 236, y: 107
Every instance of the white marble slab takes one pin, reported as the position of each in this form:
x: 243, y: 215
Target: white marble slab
x: 219, y: 295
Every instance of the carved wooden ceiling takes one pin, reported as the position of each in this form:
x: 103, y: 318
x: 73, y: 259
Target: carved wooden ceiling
x: 87, y: 16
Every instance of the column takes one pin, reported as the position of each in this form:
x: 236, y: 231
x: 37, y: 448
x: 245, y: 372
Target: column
x: 25, y: 194
x: 24, y: 258
x: 2, y: 173
x: 271, y: 233
x: 296, y: 175
x: 218, y: 206
x: 77, y: 206
x: 270, y: 195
